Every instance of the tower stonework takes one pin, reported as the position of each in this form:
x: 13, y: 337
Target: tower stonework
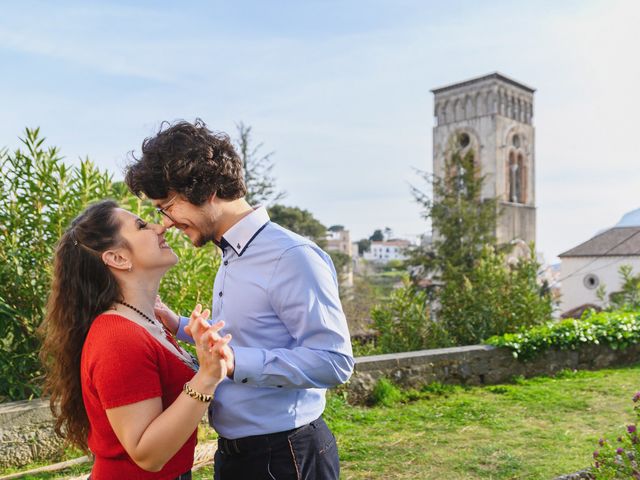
x: 493, y: 116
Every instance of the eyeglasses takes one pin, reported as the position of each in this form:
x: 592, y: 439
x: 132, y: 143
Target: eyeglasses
x: 167, y: 206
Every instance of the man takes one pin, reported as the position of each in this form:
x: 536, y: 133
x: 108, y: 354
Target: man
x: 278, y: 294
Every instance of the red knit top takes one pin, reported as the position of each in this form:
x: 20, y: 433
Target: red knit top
x: 123, y: 364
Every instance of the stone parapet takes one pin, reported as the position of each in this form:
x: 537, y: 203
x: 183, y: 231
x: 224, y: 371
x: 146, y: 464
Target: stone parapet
x: 26, y: 433
x: 476, y: 365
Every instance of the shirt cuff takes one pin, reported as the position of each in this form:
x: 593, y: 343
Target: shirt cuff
x: 181, y: 334
x: 249, y: 364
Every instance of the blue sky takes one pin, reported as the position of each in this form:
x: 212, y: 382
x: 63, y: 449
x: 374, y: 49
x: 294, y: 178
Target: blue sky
x: 339, y: 90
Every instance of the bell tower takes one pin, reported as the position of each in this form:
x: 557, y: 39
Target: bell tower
x: 493, y: 116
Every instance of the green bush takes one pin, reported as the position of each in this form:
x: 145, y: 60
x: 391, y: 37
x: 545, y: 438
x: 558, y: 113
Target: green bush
x: 385, y: 393
x: 617, y: 329
x: 492, y: 299
x: 403, y: 322
x: 39, y: 196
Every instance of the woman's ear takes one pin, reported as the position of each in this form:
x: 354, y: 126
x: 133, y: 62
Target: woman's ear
x: 114, y: 259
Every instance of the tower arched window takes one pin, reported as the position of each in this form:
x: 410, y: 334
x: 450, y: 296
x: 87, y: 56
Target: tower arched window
x: 465, y: 145
x: 459, y: 108
x: 470, y: 110
x: 522, y: 184
x: 517, y: 176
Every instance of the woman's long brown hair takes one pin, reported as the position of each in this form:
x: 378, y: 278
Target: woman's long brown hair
x: 82, y: 288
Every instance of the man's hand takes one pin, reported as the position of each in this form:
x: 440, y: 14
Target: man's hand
x: 230, y: 359
x: 167, y: 316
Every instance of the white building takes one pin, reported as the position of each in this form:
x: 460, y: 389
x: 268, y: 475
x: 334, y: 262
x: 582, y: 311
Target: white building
x: 595, y: 264
x: 383, y: 252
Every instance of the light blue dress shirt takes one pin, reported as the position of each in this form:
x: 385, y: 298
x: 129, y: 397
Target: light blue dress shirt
x: 278, y: 295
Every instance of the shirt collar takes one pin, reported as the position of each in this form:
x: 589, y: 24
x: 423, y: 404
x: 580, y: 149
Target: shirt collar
x: 239, y: 236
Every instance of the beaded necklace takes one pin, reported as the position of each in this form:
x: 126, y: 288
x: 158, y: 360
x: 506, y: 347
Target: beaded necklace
x: 153, y: 322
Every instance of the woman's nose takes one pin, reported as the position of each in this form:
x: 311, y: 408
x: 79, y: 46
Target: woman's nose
x: 160, y: 228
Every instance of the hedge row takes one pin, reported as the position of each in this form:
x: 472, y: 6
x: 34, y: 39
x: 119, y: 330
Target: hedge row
x: 618, y: 329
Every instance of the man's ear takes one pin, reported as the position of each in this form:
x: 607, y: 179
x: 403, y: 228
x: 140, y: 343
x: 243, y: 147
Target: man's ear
x: 213, y: 198
x: 115, y: 259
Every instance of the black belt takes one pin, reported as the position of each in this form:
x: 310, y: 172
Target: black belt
x: 243, y: 445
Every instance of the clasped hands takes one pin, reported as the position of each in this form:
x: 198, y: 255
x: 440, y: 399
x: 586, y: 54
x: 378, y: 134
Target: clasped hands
x: 206, y: 337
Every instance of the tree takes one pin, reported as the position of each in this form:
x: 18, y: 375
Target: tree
x: 492, y: 299
x: 299, y: 221
x: 364, y: 245
x: 463, y: 223
x: 473, y: 292
x: 403, y: 322
x: 342, y: 264
x: 261, y: 185
x: 377, y: 236
x: 628, y: 296
x: 336, y: 228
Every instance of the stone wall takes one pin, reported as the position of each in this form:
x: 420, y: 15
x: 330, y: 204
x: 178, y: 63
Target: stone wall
x: 476, y: 365
x: 26, y: 431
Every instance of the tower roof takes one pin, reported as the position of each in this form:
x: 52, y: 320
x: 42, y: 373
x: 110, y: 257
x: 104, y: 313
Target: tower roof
x: 494, y: 76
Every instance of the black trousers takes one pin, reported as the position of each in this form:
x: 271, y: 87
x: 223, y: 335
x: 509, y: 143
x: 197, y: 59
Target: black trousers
x: 306, y: 453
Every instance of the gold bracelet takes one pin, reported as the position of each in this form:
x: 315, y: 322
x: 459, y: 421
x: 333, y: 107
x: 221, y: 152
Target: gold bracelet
x: 203, y: 397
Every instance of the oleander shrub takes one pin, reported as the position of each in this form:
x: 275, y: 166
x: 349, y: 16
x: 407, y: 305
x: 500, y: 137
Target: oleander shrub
x: 618, y: 329
x: 39, y: 195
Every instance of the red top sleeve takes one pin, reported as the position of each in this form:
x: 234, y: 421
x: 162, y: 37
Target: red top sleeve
x: 124, y: 365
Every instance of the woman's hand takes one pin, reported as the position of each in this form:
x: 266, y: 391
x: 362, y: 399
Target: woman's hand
x: 225, y: 350
x: 210, y: 348
x: 167, y: 316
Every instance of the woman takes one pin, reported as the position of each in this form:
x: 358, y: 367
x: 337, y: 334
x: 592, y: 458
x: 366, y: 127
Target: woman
x: 120, y: 385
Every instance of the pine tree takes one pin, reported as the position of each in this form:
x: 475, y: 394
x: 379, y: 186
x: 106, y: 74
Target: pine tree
x: 462, y: 222
x: 476, y: 293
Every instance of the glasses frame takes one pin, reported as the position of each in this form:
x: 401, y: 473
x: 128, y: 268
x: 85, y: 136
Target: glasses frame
x: 163, y: 211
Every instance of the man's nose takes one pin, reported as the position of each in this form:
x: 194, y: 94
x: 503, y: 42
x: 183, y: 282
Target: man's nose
x: 167, y: 223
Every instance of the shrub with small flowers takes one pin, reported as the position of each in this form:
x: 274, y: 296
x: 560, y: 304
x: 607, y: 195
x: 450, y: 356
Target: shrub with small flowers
x: 620, y: 458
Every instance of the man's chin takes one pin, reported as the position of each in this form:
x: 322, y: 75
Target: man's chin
x: 201, y: 240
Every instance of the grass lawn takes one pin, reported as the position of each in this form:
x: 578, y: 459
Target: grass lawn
x: 531, y: 429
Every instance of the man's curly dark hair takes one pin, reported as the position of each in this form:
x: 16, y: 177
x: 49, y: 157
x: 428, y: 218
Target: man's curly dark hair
x: 188, y: 159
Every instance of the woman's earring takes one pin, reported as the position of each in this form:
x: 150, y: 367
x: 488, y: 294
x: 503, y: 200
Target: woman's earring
x: 129, y: 269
